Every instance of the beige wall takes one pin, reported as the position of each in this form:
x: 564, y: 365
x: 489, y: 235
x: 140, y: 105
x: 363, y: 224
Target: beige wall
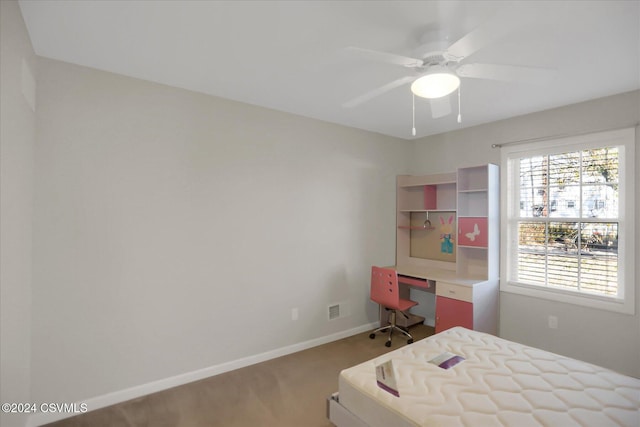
x: 175, y: 231
x: 17, y: 137
x: 601, y: 337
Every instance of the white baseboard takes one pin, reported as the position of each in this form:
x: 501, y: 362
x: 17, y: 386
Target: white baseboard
x: 113, y: 398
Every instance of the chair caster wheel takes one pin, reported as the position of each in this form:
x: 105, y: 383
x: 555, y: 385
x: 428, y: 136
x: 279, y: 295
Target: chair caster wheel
x: 372, y: 336
x: 387, y: 344
x: 410, y: 341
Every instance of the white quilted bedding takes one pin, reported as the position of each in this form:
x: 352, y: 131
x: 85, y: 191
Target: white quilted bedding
x: 501, y: 383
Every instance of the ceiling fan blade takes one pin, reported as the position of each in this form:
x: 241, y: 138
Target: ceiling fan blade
x: 377, y: 92
x: 509, y: 73
x: 500, y: 25
x: 440, y: 107
x: 389, y: 58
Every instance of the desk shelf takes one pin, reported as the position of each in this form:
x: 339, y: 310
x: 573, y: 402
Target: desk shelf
x: 410, y: 227
x: 426, y: 193
x: 425, y: 210
x: 478, y: 190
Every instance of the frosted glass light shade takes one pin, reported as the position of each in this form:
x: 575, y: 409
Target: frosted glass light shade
x: 435, y: 85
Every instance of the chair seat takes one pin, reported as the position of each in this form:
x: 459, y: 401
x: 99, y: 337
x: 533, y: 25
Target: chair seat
x: 403, y: 305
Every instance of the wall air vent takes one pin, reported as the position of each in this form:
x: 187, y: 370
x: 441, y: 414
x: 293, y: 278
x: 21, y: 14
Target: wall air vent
x: 334, y: 311
x: 338, y: 310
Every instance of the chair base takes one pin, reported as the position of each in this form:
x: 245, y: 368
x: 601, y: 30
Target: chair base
x: 391, y: 327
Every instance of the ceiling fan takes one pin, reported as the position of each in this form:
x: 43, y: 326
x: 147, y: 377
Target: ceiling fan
x: 437, y: 70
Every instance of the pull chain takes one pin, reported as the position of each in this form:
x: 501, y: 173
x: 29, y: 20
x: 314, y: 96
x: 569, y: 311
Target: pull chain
x: 413, y: 102
x: 459, y: 107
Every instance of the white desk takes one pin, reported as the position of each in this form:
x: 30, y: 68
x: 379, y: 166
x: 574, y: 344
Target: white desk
x: 460, y: 301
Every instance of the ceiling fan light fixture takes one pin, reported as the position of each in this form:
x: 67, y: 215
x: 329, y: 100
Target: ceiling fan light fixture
x: 435, y: 84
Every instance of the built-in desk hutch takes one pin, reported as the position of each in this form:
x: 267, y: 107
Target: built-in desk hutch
x: 447, y: 243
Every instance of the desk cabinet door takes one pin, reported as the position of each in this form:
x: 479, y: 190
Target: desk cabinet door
x: 452, y: 312
x: 472, y: 232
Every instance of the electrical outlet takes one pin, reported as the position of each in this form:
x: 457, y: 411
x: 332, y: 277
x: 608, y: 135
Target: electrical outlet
x: 553, y: 322
x: 294, y: 314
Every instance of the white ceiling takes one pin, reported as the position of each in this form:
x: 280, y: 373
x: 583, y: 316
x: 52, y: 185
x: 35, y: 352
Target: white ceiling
x: 291, y: 56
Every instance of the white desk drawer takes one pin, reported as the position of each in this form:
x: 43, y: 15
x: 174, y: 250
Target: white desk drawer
x: 450, y: 290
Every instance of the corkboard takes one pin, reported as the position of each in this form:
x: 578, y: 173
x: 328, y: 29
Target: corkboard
x: 427, y: 243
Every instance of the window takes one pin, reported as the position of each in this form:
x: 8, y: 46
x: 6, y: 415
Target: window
x: 568, y: 220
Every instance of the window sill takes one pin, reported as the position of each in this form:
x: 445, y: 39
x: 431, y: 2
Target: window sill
x: 625, y: 306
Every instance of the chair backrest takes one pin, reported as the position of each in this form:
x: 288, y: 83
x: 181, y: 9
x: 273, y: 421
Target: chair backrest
x: 384, y: 287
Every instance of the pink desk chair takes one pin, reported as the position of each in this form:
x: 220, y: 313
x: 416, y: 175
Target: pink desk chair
x: 385, y: 291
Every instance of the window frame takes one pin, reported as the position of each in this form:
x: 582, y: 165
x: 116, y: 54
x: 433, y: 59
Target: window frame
x: 625, y: 139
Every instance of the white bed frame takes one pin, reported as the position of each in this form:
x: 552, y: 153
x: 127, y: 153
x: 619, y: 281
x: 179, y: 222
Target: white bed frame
x: 341, y: 416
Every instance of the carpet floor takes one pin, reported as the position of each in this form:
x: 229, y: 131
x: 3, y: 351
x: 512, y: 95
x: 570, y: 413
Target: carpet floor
x: 287, y: 391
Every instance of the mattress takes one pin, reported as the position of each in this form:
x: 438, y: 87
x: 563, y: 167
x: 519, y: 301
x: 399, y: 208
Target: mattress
x: 499, y: 383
